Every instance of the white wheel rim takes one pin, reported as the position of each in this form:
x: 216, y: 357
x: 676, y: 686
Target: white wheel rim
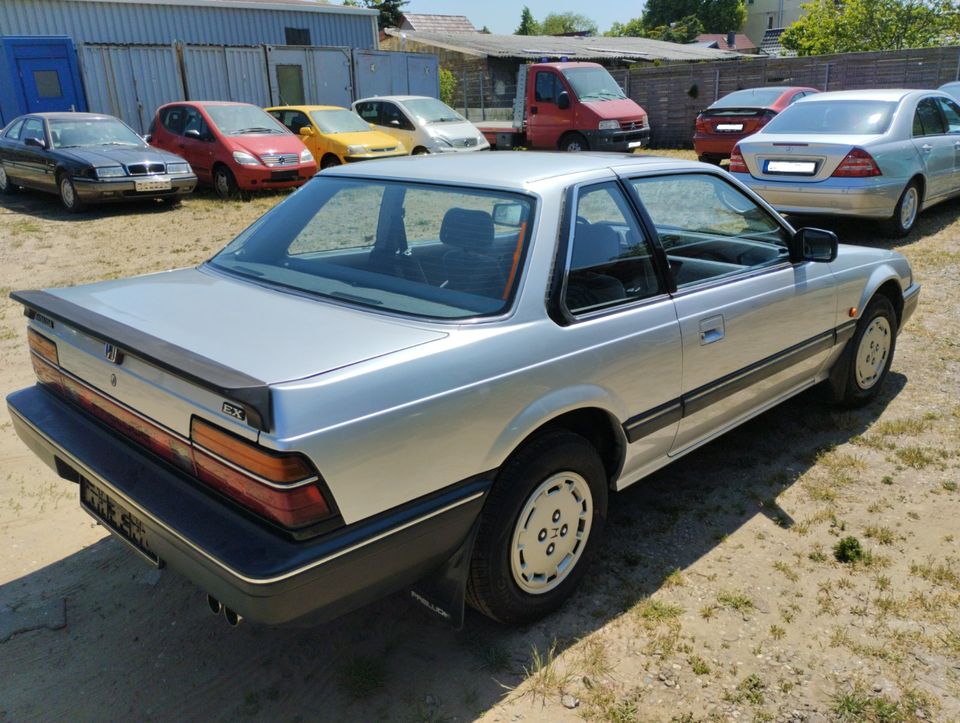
x: 223, y: 186
x: 66, y: 191
x: 551, y: 533
x: 3, y: 177
x: 873, y: 352
x: 574, y: 146
x: 908, y: 209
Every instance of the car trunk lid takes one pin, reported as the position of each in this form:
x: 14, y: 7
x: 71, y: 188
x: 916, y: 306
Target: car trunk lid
x: 741, y: 121
x: 796, y: 159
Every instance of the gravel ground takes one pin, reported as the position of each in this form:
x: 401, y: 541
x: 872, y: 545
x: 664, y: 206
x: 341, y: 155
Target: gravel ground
x: 717, y: 596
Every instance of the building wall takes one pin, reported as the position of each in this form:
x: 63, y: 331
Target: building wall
x: 125, y: 22
x: 760, y: 13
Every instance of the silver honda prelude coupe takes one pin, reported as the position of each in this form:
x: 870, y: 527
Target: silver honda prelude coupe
x: 431, y: 373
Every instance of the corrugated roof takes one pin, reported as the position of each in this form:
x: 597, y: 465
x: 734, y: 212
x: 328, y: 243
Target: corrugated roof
x: 308, y: 5
x: 741, y: 41
x: 770, y: 45
x: 437, y: 23
x: 532, y: 47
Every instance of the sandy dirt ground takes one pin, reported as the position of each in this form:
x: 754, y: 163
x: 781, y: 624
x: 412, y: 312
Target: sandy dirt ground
x: 717, y: 595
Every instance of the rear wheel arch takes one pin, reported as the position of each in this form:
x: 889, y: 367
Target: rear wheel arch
x: 921, y: 186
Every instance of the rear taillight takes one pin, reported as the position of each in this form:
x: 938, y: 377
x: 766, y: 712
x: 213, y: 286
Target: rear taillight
x: 764, y: 118
x: 737, y: 164
x: 701, y: 125
x: 857, y: 164
x: 282, y: 487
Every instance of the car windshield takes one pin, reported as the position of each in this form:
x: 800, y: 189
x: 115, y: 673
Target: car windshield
x: 593, y: 84
x: 410, y: 248
x: 751, y: 98
x: 339, y: 121
x: 92, y: 132
x: 235, y: 120
x: 836, y: 117
x: 431, y: 110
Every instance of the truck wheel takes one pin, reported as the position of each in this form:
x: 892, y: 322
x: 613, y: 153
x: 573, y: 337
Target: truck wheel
x: 539, y: 529
x: 573, y: 142
x: 870, y: 353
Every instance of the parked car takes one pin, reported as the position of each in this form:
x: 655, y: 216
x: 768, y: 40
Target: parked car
x: 88, y: 158
x: 418, y: 372
x: 739, y: 114
x: 422, y: 124
x: 235, y: 147
x: 882, y: 154
x: 951, y: 89
x: 336, y: 135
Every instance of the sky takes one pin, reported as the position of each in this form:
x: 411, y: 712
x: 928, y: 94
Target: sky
x: 503, y: 16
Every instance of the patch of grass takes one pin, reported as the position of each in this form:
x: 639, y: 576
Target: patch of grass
x: 943, y: 573
x: 24, y: 228
x: 735, y: 600
x: 543, y: 676
x: 675, y: 579
x: 698, y: 665
x: 949, y: 485
x: 708, y: 611
x: 777, y: 633
x: 850, y: 706
x: 915, y: 457
x: 886, y: 479
x: 817, y: 554
x: 848, y: 550
x: 656, y: 611
x: 897, y: 427
x: 883, y: 535
x: 749, y: 690
x: 788, y: 572
x: 363, y: 676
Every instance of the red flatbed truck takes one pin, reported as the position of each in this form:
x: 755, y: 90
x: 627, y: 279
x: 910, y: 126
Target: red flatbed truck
x: 570, y: 107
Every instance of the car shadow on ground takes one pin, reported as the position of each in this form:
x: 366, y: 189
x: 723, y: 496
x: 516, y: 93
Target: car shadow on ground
x: 140, y: 643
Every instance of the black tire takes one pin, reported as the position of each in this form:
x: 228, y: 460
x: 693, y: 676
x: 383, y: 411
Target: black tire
x: 225, y: 184
x: 7, y: 187
x: 419, y: 151
x: 876, y: 329
x: 573, y: 142
x: 68, y: 194
x: 329, y: 161
x: 492, y: 588
x: 897, y: 226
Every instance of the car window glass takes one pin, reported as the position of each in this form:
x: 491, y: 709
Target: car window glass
x: 951, y: 111
x: 14, y: 132
x: 546, y: 87
x: 294, y: 120
x: 611, y: 261
x: 32, y: 128
x: 930, y: 118
x: 709, y: 228
x: 796, y: 97
x: 172, y: 119
x: 370, y: 112
x: 193, y: 121
x: 392, y: 116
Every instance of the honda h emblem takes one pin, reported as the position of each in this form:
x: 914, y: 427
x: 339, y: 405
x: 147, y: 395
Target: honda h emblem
x: 113, y: 354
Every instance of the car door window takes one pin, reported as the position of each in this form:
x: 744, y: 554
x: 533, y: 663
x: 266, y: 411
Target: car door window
x: 392, y: 116
x: 172, y: 119
x: 32, y: 128
x: 928, y: 121
x: 610, y: 260
x: 709, y: 228
x: 951, y: 111
x: 370, y: 112
x: 14, y: 132
x: 294, y: 120
x: 796, y: 97
x: 546, y: 87
x: 193, y: 121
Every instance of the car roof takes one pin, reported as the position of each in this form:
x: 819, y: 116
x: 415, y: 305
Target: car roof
x: 71, y: 115
x: 503, y: 169
x: 399, y: 98
x: 887, y: 94
x: 307, y: 108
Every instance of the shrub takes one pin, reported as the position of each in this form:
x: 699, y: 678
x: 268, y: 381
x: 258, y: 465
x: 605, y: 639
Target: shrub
x: 848, y: 550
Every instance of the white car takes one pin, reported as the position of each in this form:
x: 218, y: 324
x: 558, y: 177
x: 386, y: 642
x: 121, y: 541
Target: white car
x: 423, y: 124
x: 951, y: 89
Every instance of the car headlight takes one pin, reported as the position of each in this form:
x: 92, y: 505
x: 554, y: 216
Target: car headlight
x: 356, y: 150
x: 306, y: 156
x: 177, y: 168
x: 245, y: 159
x: 110, y: 172
x: 608, y: 125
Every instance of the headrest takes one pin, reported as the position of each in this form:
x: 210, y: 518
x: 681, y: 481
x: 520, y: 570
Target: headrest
x: 594, y: 246
x: 467, y: 229
x: 72, y: 137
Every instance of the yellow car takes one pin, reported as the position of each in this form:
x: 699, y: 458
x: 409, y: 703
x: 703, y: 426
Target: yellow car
x: 336, y: 135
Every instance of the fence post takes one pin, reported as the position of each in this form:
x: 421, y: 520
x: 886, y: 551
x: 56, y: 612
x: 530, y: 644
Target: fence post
x: 483, y: 108
x: 463, y: 85
x: 826, y: 77
x: 716, y: 86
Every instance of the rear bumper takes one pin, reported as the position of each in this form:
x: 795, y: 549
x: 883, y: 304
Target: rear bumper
x: 256, y: 570
x: 861, y: 197
x: 125, y: 189
x: 617, y: 141
x: 716, y: 145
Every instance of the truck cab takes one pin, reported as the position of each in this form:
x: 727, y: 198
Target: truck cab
x: 572, y: 107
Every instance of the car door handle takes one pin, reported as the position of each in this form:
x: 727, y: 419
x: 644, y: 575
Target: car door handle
x: 711, y: 330
x: 533, y: 110
x: 926, y: 148
x: 957, y: 145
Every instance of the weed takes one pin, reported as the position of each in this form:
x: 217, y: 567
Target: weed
x: 949, y: 485
x: 698, y: 665
x: 916, y: 457
x: 850, y: 706
x: 735, y: 600
x: 944, y: 573
x: 708, y: 611
x: 776, y: 632
x: 543, y: 676
x: 788, y: 572
x: 848, y: 550
x: 749, y: 690
x: 886, y: 479
x: 883, y: 535
x: 675, y: 579
x: 817, y: 554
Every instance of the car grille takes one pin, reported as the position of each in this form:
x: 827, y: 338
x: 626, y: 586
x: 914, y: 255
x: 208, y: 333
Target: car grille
x: 383, y: 150
x: 632, y: 125
x: 145, y: 169
x: 280, y: 159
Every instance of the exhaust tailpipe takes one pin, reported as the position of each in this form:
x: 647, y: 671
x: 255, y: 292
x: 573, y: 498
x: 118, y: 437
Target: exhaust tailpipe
x: 215, y: 605
x: 233, y: 618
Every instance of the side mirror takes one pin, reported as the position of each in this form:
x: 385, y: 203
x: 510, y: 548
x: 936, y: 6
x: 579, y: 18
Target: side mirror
x: 306, y: 131
x: 563, y: 100
x: 508, y: 214
x: 35, y: 143
x: 814, y: 244
x: 147, y: 137
x: 192, y: 133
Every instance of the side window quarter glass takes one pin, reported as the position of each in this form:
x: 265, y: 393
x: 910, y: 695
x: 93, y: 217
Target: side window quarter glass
x: 917, y: 124
x: 951, y: 111
x: 14, y: 132
x: 723, y: 233
x: 933, y: 124
x: 611, y: 261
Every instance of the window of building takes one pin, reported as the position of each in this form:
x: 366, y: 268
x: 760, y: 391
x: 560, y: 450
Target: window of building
x: 47, y: 83
x: 297, y: 36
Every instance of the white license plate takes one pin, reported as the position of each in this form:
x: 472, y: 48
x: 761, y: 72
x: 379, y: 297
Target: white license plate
x: 791, y: 167
x: 162, y: 184
x: 635, y: 144
x: 112, y: 513
x: 729, y: 126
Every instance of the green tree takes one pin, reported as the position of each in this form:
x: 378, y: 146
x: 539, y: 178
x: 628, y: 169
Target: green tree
x: 862, y: 25
x: 528, y: 24
x: 391, y: 11
x: 663, y: 12
x: 715, y: 16
x: 448, y: 86
x: 632, y: 28
x: 564, y: 23
x: 685, y: 30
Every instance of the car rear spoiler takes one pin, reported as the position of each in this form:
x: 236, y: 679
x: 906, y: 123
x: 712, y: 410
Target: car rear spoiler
x: 250, y: 394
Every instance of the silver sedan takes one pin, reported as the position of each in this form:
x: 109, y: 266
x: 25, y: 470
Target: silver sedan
x: 881, y: 154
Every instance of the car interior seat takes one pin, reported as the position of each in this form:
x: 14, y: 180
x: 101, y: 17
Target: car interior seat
x: 595, y: 246
x: 468, y: 266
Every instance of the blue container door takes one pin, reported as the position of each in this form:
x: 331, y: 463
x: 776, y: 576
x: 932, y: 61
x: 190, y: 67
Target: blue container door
x: 48, y: 84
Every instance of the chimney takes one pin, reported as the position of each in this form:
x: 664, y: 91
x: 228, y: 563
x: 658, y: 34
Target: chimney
x: 731, y: 39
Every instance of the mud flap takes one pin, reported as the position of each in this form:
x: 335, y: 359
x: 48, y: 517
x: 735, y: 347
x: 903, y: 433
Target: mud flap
x: 443, y: 592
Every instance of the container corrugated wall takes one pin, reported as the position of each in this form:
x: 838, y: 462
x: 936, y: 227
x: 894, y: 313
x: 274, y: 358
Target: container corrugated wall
x: 113, y: 22
x: 220, y: 73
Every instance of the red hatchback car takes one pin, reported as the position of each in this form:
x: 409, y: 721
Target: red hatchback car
x: 235, y: 147
x: 738, y: 115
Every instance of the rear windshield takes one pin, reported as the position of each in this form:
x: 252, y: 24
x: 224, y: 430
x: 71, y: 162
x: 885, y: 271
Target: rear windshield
x: 837, y: 117
x: 235, y: 120
x: 751, y: 98
x: 339, y: 121
x: 94, y: 132
x: 431, y: 110
x: 422, y: 250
